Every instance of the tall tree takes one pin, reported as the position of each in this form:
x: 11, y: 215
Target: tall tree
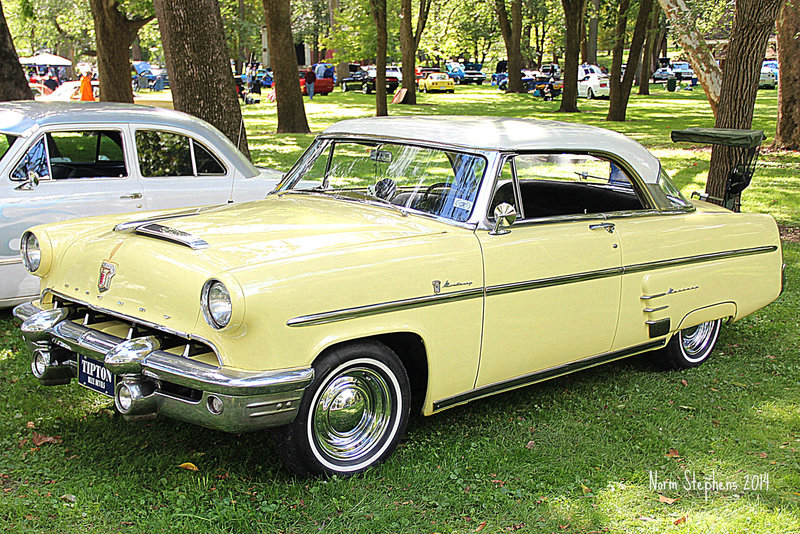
x: 620, y: 91
x: 512, y: 36
x: 573, y: 18
x: 649, y: 50
x: 591, y: 38
x: 682, y: 22
x: 114, y: 34
x: 378, y: 8
x: 288, y: 98
x: 787, y: 133
x: 409, y: 41
x: 199, y: 69
x: 13, y: 85
x: 754, y: 21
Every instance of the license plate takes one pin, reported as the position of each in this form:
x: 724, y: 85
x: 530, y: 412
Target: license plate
x: 93, y: 375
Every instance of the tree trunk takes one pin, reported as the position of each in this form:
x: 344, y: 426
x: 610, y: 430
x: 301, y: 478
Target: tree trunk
x: 787, y: 133
x: 753, y: 23
x: 379, y: 16
x: 408, y: 52
x: 692, y: 42
x: 617, y: 52
x: 114, y: 34
x: 591, y: 39
x: 13, y: 84
x: 573, y: 12
x: 649, y: 47
x: 618, y: 101
x: 512, y: 35
x: 288, y: 97
x: 199, y: 70
x: 137, y: 54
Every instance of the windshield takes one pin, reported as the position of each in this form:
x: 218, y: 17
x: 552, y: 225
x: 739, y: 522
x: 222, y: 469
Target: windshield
x: 414, y: 178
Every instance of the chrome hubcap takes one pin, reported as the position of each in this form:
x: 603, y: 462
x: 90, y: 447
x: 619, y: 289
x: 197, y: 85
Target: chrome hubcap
x: 697, y: 341
x: 352, y: 414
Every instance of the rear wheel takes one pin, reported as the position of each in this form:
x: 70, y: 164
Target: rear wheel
x: 344, y: 87
x: 353, y: 414
x: 691, y: 346
x: 589, y: 94
x: 365, y: 88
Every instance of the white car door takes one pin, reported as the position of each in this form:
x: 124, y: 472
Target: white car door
x: 179, y: 169
x: 60, y: 174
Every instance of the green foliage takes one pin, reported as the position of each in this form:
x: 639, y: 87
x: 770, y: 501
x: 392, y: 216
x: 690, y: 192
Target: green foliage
x: 354, y: 38
x: 243, y: 27
x: 63, y: 26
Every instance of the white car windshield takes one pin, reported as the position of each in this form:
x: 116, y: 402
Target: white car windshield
x: 406, y: 177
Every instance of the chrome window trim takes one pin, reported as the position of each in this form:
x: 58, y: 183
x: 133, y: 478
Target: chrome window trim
x: 129, y: 318
x: 323, y: 142
x: 526, y: 285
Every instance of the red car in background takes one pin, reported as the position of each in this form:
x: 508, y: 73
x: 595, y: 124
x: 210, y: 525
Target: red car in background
x: 322, y: 86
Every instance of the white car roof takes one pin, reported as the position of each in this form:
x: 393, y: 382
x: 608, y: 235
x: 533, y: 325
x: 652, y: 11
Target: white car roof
x: 25, y: 117
x: 505, y: 135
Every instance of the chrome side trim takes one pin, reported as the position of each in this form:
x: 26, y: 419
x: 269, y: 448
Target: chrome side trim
x: 651, y: 310
x: 545, y: 374
x: 171, y: 234
x: 553, y: 281
x: 373, y: 309
x: 10, y: 261
x: 700, y: 258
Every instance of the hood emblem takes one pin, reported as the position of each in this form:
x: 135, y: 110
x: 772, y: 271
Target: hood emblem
x: 107, y: 272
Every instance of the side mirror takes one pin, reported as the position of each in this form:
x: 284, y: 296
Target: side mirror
x: 30, y: 183
x: 504, y: 216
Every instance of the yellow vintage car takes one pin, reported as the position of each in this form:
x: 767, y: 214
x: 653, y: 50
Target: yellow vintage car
x: 437, y: 81
x: 403, y: 263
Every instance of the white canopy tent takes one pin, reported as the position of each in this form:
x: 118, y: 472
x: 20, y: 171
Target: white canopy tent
x: 46, y: 60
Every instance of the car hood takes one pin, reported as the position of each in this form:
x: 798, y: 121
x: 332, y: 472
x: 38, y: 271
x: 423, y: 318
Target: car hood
x: 152, y: 272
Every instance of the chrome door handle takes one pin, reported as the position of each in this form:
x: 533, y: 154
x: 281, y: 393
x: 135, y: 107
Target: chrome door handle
x: 607, y: 226
x: 132, y: 195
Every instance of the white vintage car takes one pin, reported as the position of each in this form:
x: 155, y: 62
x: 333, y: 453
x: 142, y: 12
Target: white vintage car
x: 65, y: 160
x: 403, y: 263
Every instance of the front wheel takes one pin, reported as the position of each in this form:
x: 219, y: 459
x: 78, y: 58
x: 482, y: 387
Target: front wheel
x: 691, y: 346
x: 353, y: 414
x: 365, y: 88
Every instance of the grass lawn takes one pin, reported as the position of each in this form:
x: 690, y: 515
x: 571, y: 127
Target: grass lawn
x: 620, y: 448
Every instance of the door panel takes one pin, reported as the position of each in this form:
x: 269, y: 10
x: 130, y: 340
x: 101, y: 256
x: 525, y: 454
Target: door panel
x: 179, y: 171
x: 552, y: 296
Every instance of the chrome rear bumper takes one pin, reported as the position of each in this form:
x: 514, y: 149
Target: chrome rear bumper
x: 152, y: 381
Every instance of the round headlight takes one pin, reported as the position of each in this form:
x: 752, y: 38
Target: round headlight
x: 216, y: 303
x: 30, y: 251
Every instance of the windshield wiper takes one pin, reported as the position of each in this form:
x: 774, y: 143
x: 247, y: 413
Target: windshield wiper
x: 372, y: 199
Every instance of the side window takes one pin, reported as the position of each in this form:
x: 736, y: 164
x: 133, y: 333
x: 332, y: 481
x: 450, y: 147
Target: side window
x: 34, y: 161
x: 552, y: 185
x: 86, y: 154
x: 163, y: 154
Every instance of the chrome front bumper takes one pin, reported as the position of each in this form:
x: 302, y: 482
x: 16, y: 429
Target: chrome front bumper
x: 158, y: 382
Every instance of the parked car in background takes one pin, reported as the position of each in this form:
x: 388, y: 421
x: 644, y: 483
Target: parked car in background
x: 768, y: 78
x: 464, y: 73
x: 364, y: 80
x: 322, y: 86
x: 392, y: 270
x: 437, y: 81
x: 593, y: 85
x: 682, y: 70
x: 69, y: 91
x: 663, y: 74
x: 422, y: 71
x: 61, y: 161
x: 395, y: 72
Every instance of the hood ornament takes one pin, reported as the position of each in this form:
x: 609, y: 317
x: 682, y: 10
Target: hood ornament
x: 107, y: 272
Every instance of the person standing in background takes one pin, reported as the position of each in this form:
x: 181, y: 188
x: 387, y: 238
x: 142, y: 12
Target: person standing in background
x: 310, y: 78
x: 87, y: 94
